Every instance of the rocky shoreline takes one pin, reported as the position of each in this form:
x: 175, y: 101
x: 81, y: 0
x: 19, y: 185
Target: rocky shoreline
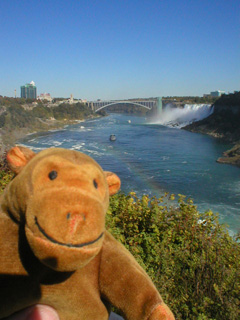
x: 231, y: 156
x: 223, y: 123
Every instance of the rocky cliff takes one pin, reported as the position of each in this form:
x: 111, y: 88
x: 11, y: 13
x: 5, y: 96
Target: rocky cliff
x: 223, y: 123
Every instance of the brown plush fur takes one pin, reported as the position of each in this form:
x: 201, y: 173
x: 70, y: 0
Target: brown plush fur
x: 54, y: 246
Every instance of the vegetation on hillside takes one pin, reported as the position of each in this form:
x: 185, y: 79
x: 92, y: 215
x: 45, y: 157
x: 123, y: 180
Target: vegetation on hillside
x: 71, y: 111
x: 192, y: 99
x: 16, y: 116
x: 6, y: 101
x: 190, y: 257
x: 21, y: 116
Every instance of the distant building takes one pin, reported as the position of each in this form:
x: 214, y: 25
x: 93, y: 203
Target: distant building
x: 45, y: 96
x: 217, y: 93
x: 29, y: 91
x: 71, y: 100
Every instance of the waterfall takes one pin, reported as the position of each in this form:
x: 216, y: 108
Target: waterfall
x: 180, y: 117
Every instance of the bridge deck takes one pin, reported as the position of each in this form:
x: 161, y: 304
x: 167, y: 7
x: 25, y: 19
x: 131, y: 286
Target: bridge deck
x: 98, y: 105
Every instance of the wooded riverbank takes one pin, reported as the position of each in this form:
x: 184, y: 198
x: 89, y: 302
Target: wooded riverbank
x: 19, y: 118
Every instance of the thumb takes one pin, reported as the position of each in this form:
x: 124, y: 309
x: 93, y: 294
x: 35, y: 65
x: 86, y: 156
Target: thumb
x: 38, y: 312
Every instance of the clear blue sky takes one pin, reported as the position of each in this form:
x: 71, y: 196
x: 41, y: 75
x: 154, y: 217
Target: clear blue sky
x: 120, y: 49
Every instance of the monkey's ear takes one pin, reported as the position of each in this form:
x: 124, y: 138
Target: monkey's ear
x: 114, y: 182
x: 18, y: 157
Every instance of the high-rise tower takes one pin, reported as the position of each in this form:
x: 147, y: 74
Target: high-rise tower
x: 29, y: 91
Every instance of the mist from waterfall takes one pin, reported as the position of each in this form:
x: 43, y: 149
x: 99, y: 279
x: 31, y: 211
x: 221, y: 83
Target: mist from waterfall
x: 181, y: 117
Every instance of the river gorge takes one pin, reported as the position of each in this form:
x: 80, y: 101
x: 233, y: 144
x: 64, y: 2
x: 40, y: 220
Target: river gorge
x: 154, y: 157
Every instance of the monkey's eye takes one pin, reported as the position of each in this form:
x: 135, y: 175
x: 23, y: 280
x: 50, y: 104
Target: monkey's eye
x: 52, y: 175
x: 95, y: 183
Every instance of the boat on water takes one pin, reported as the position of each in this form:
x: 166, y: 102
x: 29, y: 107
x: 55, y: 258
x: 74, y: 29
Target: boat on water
x: 112, y: 137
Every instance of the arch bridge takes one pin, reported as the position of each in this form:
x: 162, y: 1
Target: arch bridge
x: 147, y: 103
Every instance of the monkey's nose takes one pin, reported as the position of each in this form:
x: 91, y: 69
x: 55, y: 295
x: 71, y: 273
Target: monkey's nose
x: 75, y: 219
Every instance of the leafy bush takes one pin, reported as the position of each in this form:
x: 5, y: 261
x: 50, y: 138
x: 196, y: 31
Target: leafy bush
x: 5, y: 174
x: 191, y: 258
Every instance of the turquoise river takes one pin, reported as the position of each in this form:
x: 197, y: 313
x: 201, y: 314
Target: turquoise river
x: 154, y: 159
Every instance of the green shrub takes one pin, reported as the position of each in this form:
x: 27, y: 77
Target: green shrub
x: 191, y: 258
x: 5, y: 174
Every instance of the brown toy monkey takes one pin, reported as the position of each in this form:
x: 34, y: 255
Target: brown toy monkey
x: 54, y: 248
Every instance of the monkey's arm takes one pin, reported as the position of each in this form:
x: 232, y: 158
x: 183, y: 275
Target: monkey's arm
x: 126, y: 285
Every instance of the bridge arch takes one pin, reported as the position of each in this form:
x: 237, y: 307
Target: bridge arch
x: 123, y: 102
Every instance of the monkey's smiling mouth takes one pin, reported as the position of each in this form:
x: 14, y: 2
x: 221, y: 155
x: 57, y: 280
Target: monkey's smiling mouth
x: 70, y: 245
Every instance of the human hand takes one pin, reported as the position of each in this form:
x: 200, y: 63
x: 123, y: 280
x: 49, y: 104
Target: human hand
x: 37, y: 312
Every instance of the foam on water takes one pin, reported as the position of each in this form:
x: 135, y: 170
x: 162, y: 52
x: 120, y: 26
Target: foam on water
x: 76, y: 147
x: 56, y: 130
x: 68, y: 140
x: 81, y: 129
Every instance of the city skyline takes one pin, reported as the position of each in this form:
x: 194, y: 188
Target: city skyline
x: 120, y: 50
